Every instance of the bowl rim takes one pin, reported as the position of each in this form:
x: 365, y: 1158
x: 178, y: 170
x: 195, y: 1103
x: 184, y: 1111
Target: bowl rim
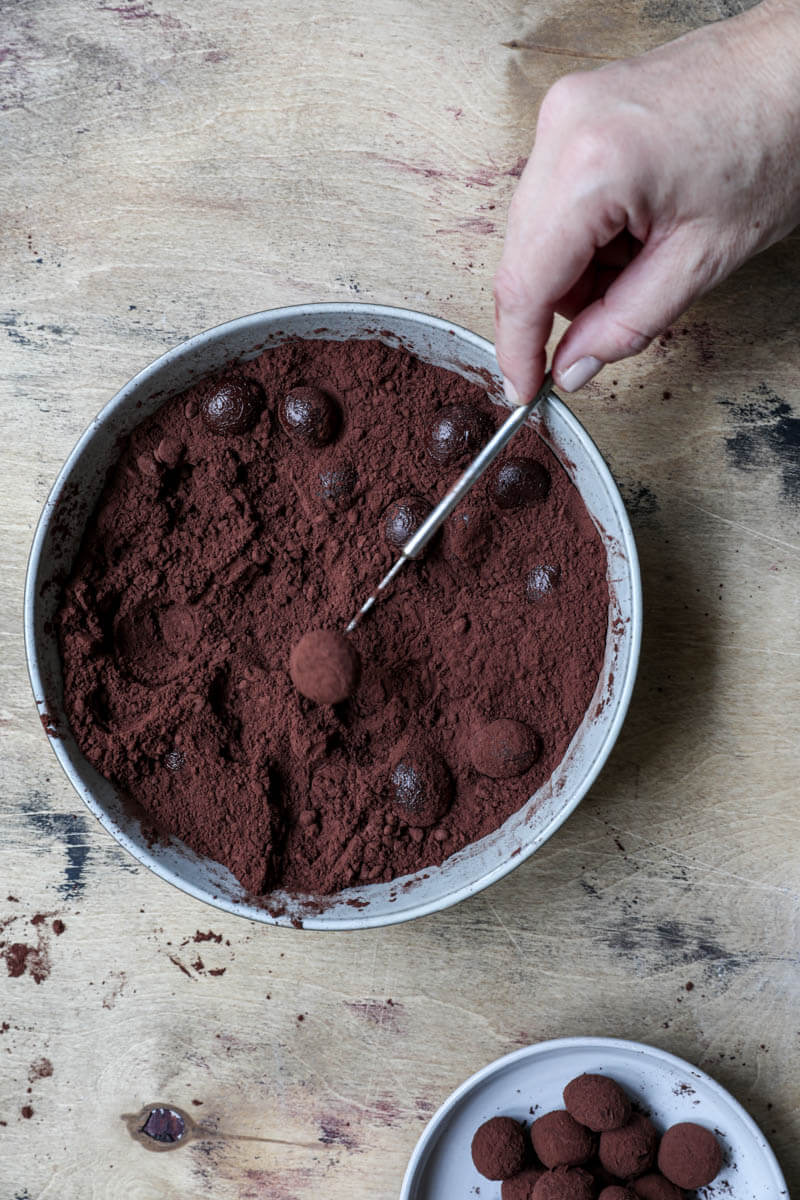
x: 245, y: 908
x: 419, y: 1153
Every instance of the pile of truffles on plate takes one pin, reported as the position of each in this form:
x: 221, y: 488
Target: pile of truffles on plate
x: 597, y: 1148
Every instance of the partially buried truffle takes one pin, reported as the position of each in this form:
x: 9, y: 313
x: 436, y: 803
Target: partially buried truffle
x: 616, y: 1192
x: 542, y: 582
x: 559, y: 1141
x: 597, y: 1102
x: 564, y: 1184
x: 689, y: 1155
x: 504, y: 748
x: 338, y: 485
x: 655, y: 1187
x: 457, y: 432
x: 310, y: 415
x: 498, y: 1148
x: 519, y: 483
x: 468, y: 535
x: 421, y: 786
x: 325, y: 666
x: 520, y: 1187
x: 403, y: 518
x: 630, y: 1150
x: 233, y: 407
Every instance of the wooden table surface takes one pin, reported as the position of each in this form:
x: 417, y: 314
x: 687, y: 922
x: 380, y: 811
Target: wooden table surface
x: 167, y: 166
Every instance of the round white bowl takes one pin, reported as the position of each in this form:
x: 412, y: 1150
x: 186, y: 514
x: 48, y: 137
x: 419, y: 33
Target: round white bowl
x: 667, y: 1088
x: 77, y: 489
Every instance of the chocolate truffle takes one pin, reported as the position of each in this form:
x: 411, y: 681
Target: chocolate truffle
x: 421, y: 787
x: 564, y: 1184
x: 503, y: 749
x: 617, y: 1192
x: 325, y: 666
x: 233, y: 407
x: 310, y: 415
x: 559, y: 1141
x: 630, y: 1150
x: 689, y: 1155
x: 338, y: 485
x: 457, y: 432
x: 655, y: 1187
x: 519, y: 483
x: 520, y: 1187
x: 403, y: 518
x: 498, y: 1148
x: 597, y: 1102
x: 467, y: 535
x: 169, y: 451
x: 542, y: 581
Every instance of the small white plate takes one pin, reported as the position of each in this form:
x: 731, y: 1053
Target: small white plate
x: 665, y: 1087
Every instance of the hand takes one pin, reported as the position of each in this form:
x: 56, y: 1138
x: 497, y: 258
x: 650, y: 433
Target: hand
x: 649, y: 182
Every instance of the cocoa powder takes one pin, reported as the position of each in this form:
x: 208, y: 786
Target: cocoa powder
x: 213, y: 550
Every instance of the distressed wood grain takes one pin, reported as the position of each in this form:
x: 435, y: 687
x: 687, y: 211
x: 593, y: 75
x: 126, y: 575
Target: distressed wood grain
x: 169, y: 166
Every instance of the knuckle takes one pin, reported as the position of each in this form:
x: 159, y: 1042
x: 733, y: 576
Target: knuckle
x: 509, y: 289
x: 565, y: 100
x: 590, y: 151
x: 630, y: 341
x: 576, y: 111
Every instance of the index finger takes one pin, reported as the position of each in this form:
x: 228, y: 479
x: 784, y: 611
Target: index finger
x: 549, y: 244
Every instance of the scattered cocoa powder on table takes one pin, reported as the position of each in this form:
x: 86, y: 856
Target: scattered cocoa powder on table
x: 237, y: 519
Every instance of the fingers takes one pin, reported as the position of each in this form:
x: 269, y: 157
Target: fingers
x: 544, y: 257
x: 659, y: 284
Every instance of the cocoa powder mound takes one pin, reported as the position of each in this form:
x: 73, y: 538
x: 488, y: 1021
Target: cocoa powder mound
x: 213, y: 549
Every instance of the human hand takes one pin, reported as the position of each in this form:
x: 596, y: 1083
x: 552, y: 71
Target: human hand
x: 650, y: 180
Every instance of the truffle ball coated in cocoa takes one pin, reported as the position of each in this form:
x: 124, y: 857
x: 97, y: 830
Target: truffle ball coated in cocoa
x: 519, y: 483
x: 564, y: 1184
x: 310, y: 415
x: 597, y: 1102
x: 233, y: 407
x: 559, y: 1141
x: 617, y: 1192
x: 542, y: 582
x: 456, y: 433
x: 503, y: 749
x: 520, y: 1187
x: 655, y: 1187
x: 689, y: 1155
x: 468, y: 535
x: 630, y: 1150
x: 337, y: 485
x: 498, y: 1148
x: 403, y: 518
x: 421, y: 787
x: 324, y: 666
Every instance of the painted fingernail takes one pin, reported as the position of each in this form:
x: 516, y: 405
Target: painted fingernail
x: 579, y: 373
x: 512, y: 395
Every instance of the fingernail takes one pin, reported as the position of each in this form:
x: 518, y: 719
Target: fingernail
x: 579, y: 373
x: 512, y: 395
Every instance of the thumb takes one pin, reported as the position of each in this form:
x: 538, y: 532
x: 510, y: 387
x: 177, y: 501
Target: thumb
x: 657, y: 286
